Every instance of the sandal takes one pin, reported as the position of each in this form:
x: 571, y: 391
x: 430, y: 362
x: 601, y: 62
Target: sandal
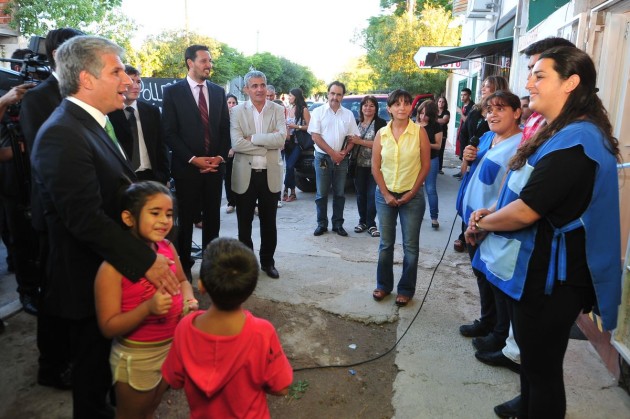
x: 459, y: 246
x: 435, y: 224
x: 360, y: 228
x: 285, y: 195
x: 402, y: 300
x: 378, y: 295
x: 292, y: 197
x: 373, y: 231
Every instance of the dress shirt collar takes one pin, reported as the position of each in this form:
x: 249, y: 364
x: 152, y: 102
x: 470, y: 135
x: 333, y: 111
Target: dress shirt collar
x: 193, y: 84
x: 134, y: 105
x: 96, y: 114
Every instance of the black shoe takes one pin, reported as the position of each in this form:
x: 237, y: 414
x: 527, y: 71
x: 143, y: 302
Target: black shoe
x: 474, y: 330
x: 319, y: 231
x: 340, y: 230
x: 271, y: 271
x: 29, y: 304
x: 458, y: 175
x: 508, y: 409
x: 497, y: 359
x: 488, y: 343
x: 62, y: 381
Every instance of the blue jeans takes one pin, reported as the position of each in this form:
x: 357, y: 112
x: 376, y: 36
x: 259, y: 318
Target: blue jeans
x: 327, y: 173
x: 430, y: 184
x: 290, y: 162
x: 410, y: 221
x: 365, y: 186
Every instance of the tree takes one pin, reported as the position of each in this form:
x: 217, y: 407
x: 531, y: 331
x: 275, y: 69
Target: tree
x: 391, y: 42
x: 358, y: 77
x: 283, y: 74
x: 402, y: 6
x: 117, y: 27
x: 37, y: 17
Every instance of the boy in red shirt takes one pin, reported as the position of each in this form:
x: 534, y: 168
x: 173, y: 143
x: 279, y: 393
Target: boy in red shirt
x: 225, y: 358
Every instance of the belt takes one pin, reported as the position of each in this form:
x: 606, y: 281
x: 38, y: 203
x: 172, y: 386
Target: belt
x: 259, y: 170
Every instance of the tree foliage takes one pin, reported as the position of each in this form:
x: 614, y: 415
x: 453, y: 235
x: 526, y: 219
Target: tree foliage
x: 391, y: 42
x: 358, y: 77
x: 400, y: 6
x: 37, y: 17
x: 162, y: 55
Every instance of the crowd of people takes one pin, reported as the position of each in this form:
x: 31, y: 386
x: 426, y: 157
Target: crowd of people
x: 115, y: 301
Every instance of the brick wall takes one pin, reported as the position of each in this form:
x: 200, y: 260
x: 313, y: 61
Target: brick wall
x: 4, y: 19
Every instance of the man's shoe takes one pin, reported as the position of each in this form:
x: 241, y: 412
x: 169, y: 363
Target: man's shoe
x: 62, y: 381
x: 497, y: 359
x: 508, y: 409
x: 488, y: 343
x: 474, y: 330
x: 458, y: 175
x: 271, y: 272
x: 319, y: 231
x: 29, y: 305
x: 340, y: 230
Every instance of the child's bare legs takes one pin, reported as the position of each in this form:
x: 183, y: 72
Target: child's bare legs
x: 134, y: 404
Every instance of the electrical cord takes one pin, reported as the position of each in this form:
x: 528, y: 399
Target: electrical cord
x: 354, y: 364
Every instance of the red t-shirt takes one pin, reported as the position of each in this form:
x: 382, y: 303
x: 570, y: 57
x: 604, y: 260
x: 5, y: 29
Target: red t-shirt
x: 227, y: 376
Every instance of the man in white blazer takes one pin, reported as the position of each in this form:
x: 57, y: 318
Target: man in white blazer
x: 258, y: 130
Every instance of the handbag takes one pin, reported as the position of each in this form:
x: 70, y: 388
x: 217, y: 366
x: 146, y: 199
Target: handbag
x: 304, y: 139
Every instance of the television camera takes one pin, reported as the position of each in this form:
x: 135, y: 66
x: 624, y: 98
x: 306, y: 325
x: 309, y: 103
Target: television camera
x: 34, y: 68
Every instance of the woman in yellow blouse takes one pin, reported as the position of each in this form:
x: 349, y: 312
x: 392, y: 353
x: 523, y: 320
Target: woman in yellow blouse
x: 401, y: 158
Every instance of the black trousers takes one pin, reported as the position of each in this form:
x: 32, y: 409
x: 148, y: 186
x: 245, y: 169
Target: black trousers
x: 486, y: 296
x: 542, y: 324
x: 91, y: 373
x: 201, y: 193
x: 258, y: 191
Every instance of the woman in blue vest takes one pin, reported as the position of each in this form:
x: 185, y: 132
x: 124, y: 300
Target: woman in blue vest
x: 561, y: 190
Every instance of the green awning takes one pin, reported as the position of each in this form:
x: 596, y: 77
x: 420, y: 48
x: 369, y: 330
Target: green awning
x: 501, y: 46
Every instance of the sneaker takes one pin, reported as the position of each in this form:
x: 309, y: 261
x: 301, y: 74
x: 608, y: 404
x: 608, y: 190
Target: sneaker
x: 279, y: 204
x: 229, y: 209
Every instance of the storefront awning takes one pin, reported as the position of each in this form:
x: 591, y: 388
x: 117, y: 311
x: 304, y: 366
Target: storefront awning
x: 501, y: 46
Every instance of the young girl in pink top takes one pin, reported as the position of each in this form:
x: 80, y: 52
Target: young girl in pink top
x: 139, y: 317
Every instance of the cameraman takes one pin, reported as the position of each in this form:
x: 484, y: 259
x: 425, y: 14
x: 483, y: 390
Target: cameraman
x: 23, y: 248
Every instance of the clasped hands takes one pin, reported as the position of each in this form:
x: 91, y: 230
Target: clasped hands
x: 473, y: 235
x: 207, y: 164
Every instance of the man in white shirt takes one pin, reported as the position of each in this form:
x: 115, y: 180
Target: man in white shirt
x: 330, y: 124
x: 258, y: 129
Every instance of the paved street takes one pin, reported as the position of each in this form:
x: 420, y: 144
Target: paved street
x: 439, y: 376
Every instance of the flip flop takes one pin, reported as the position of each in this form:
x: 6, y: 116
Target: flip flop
x: 378, y: 295
x: 402, y: 300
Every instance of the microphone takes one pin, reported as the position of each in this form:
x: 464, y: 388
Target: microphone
x: 474, y: 141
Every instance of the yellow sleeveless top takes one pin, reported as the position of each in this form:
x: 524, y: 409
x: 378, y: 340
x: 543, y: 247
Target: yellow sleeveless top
x: 400, y: 160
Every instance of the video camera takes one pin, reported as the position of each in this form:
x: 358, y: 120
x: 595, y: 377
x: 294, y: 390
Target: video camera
x: 34, y: 67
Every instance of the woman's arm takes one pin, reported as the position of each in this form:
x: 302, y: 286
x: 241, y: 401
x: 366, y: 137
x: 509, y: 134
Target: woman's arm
x: 444, y: 120
x: 378, y: 175
x: 514, y: 216
x: 438, y: 141
x: 108, y: 296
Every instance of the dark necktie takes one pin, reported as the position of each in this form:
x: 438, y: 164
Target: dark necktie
x: 203, y: 111
x: 133, y: 124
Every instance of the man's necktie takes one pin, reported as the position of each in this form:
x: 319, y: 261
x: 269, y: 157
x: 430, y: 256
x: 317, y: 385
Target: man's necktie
x: 133, y: 124
x: 109, y: 129
x: 203, y: 111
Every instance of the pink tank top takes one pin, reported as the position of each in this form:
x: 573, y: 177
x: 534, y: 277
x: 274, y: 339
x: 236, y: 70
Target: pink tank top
x: 153, y: 328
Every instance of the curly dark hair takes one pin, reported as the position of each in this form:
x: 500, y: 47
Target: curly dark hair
x: 366, y: 99
x: 581, y: 104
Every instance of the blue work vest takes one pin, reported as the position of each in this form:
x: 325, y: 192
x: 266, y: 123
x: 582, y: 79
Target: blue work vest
x: 504, y: 256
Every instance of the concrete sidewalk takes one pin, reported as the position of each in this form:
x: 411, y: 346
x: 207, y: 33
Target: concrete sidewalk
x: 439, y: 376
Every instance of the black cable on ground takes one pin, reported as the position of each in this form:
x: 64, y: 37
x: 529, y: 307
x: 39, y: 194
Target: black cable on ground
x: 448, y: 241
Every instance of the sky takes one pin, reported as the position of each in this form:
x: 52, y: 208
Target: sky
x: 317, y: 34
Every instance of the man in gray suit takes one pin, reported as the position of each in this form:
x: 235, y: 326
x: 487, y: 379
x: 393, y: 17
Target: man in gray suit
x: 258, y: 129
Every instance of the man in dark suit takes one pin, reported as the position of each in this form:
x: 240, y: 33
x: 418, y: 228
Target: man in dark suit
x: 55, y: 351
x: 196, y: 127
x: 138, y: 130
x: 80, y: 170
